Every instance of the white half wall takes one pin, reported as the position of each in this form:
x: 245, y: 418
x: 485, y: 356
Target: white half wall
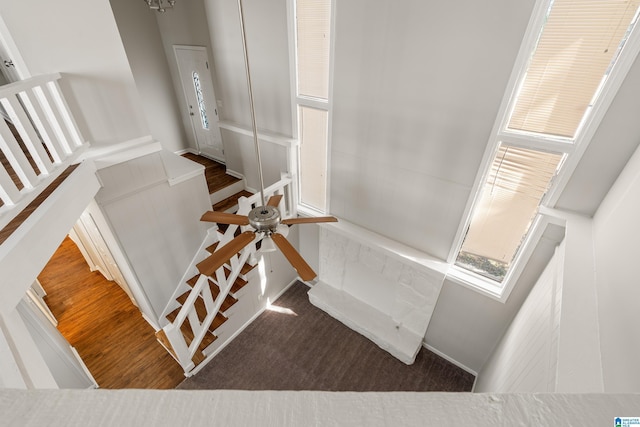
x: 157, y: 224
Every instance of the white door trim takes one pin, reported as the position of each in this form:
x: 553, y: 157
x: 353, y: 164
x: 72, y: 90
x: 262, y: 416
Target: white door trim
x: 209, y: 140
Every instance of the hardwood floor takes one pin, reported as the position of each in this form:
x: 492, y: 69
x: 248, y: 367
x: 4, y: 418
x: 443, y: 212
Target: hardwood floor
x: 97, y: 317
x: 216, y: 173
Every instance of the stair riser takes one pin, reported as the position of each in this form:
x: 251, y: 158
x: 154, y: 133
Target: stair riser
x: 229, y: 191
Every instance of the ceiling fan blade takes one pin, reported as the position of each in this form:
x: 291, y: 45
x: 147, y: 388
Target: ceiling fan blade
x: 291, y: 221
x: 225, y: 218
x: 296, y: 260
x: 274, y: 200
x: 216, y: 260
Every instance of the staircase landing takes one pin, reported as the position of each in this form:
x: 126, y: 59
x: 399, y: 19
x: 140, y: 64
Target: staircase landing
x: 215, y: 173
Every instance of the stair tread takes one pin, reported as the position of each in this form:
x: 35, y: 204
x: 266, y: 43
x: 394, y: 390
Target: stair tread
x: 231, y: 201
x: 211, y: 248
x: 192, y: 282
x: 209, y: 337
x: 238, y: 284
x: 215, y: 173
x: 246, y: 268
x: 215, y: 291
x: 201, y: 311
x: 198, y: 356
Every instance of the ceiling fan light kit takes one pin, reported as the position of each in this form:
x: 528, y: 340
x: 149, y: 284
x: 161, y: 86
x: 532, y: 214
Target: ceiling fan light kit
x: 265, y: 220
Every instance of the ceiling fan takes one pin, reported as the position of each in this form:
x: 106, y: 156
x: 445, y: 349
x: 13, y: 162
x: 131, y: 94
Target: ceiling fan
x: 265, y: 219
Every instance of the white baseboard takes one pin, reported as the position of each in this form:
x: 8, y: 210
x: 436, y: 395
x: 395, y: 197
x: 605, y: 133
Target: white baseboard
x: 450, y: 359
x: 225, y: 192
x: 235, y: 174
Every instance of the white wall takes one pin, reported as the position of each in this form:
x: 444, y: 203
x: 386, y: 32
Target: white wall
x: 525, y: 360
x: 143, y: 44
x: 80, y: 38
x: 609, y: 150
x: 185, y: 24
x: 466, y: 325
x: 616, y: 234
x: 416, y: 89
x: 268, y: 47
x: 156, y: 224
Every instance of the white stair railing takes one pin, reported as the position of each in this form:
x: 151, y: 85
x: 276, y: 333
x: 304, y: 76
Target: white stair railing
x: 49, y: 140
x: 184, y: 352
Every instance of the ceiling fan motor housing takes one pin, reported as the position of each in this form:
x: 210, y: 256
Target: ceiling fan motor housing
x: 264, y: 218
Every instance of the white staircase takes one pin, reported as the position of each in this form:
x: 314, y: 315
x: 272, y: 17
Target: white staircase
x: 206, y: 312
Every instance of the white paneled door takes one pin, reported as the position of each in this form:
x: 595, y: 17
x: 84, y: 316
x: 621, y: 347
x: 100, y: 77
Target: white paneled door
x: 197, y: 85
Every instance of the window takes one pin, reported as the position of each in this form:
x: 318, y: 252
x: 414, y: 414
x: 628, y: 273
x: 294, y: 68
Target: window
x: 313, y: 47
x: 575, y: 52
x: 200, y: 99
x: 517, y: 180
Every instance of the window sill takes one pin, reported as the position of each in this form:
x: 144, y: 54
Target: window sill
x: 307, y: 211
x: 482, y: 285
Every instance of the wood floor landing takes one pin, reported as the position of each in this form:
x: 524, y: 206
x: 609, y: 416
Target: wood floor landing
x: 97, y: 317
x: 215, y: 173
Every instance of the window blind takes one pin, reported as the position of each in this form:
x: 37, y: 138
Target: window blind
x: 313, y: 156
x: 578, y: 44
x: 510, y: 197
x: 313, y: 20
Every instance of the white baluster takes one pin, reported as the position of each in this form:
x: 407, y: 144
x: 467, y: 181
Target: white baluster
x: 16, y: 157
x: 39, y: 117
x: 176, y: 339
x: 65, y: 113
x: 23, y: 123
x: 8, y: 191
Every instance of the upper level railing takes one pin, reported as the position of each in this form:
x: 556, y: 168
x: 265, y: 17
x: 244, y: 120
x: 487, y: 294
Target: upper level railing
x: 39, y: 138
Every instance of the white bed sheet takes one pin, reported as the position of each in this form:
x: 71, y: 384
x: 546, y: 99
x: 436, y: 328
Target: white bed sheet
x: 307, y: 408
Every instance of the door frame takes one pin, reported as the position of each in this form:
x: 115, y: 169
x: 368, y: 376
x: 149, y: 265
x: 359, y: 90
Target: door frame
x: 216, y: 153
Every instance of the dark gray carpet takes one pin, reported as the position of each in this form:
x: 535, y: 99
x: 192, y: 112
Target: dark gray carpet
x: 313, y: 351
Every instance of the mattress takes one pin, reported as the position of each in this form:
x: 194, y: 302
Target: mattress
x: 307, y: 408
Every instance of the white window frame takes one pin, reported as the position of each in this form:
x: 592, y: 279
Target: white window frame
x: 573, y: 150
x: 311, y: 102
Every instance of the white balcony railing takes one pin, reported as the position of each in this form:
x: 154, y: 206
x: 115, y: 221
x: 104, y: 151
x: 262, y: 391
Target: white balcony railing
x: 39, y: 138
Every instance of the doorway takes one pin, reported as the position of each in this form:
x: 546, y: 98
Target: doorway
x: 197, y: 86
x: 97, y: 317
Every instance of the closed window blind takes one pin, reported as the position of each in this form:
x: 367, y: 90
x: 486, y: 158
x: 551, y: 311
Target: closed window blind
x: 509, y: 201
x: 580, y: 41
x: 313, y: 156
x: 313, y: 20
